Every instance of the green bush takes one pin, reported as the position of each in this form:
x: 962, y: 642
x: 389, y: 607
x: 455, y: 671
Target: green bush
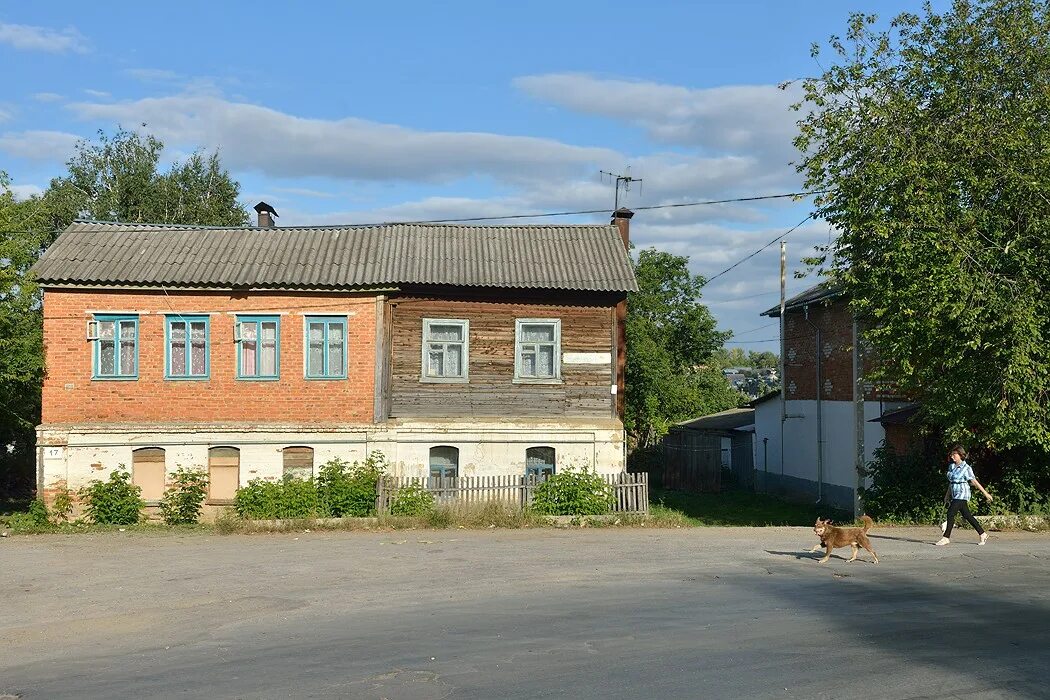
x: 290, y: 498
x: 115, y: 501
x: 182, y: 500
x: 62, y: 506
x: 573, y: 493
x: 905, y: 488
x: 38, y: 512
x: 349, y: 490
x: 412, y: 500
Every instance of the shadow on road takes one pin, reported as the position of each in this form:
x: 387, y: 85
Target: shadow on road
x: 900, y: 539
x: 972, y: 620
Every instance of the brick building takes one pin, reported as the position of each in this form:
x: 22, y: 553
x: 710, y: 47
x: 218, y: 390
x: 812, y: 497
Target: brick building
x: 811, y: 437
x: 258, y: 352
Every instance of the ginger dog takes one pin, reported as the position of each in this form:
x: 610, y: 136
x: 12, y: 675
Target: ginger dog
x: 832, y: 537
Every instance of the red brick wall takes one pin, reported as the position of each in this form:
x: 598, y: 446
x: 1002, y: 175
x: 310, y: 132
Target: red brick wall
x: 70, y: 395
x: 836, y: 352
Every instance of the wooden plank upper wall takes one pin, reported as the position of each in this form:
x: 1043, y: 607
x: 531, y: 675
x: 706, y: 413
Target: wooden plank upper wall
x: 585, y: 390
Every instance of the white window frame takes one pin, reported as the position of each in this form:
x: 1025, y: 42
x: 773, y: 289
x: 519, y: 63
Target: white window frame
x: 425, y: 351
x: 518, y: 344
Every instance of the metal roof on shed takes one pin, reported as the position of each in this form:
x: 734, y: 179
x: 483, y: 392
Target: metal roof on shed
x: 567, y: 257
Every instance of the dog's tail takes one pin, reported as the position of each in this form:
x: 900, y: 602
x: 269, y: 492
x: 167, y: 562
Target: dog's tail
x: 868, y: 522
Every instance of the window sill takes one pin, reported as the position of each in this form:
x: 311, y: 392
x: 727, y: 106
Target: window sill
x: 187, y: 379
x: 530, y: 380
x: 115, y: 379
x: 219, y: 502
x: 325, y: 379
x: 258, y: 379
x: 444, y: 380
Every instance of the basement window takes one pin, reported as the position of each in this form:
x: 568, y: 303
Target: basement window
x: 116, y: 340
x: 298, y: 462
x: 147, y: 472
x: 258, y: 347
x: 224, y: 474
x: 444, y: 462
x: 539, y: 461
x: 187, y: 347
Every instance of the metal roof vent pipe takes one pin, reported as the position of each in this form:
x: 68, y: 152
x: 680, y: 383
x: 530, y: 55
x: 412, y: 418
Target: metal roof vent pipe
x: 266, y: 215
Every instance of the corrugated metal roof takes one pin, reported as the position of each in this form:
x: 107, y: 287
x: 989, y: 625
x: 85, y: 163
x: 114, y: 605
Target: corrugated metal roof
x: 820, y: 292
x: 570, y: 257
x: 726, y: 420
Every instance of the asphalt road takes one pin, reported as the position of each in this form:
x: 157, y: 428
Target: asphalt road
x: 421, y: 615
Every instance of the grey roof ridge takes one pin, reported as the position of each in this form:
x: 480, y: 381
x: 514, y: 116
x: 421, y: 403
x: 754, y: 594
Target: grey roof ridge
x: 146, y: 225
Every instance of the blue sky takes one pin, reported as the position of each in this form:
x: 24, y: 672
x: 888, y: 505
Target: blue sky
x: 352, y: 113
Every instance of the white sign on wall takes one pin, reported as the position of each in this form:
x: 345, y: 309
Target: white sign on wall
x: 587, y: 358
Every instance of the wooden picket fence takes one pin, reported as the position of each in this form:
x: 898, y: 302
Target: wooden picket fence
x: 630, y: 491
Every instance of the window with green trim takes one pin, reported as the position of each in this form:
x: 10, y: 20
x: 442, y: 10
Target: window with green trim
x: 187, y: 347
x: 444, y: 462
x: 116, y: 340
x: 325, y: 347
x: 258, y: 347
x: 537, y: 349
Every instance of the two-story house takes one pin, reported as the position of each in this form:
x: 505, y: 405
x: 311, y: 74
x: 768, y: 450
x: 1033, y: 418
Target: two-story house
x: 814, y: 436
x: 264, y: 351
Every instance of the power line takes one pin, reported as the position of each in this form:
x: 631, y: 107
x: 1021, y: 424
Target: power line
x: 748, y: 257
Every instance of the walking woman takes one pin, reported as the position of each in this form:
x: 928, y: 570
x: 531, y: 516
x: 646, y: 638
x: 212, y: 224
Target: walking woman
x: 960, y: 476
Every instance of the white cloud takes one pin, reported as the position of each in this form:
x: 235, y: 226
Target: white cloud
x: 39, y: 145
x: 257, y: 138
x: 5, y: 114
x: 21, y: 192
x: 153, y: 75
x: 47, y: 97
x: 96, y: 93
x: 30, y: 38
x: 726, y: 119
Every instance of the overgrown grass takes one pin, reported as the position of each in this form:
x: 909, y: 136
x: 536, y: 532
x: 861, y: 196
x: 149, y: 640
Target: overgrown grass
x: 737, y: 509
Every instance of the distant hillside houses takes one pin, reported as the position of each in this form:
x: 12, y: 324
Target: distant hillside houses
x: 752, y: 382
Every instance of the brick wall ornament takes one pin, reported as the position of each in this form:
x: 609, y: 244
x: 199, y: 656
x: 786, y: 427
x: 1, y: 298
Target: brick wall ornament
x: 828, y: 349
x: 792, y: 388
x: 828, y: 386
x: 791, y: 354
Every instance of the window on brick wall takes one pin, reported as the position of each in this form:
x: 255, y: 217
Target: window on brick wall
x: 539, y: 461
x: 537, y: 349
x: 258, y: 347
x: 446, y: 349
x: 298, y: 462
x: 325, y: 347
x: 224, y: 474
x: 147, y: 472
x: 116, y: 341
x: 444, y: 461
x: 187, y: 349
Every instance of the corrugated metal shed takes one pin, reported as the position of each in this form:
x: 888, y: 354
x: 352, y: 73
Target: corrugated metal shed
x: 570, y: 257
x: 726, y: 420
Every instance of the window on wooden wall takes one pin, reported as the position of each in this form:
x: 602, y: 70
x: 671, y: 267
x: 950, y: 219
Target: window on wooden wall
x: 539, y: 461
x: 537, y: 349
x: 258, y: 347
x: 148, y: 473
x: 446, y: 349
x: 116, y: 341
x: 224, y: 474
x: 298, y: 462
x: 444, y: 461
x: 325, y: 347
x: 187, y: 347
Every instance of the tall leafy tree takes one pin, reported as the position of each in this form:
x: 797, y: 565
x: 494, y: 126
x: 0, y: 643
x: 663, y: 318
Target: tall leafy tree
x: 671, y: 337
x: 931, y: 139
x: 116, y: 178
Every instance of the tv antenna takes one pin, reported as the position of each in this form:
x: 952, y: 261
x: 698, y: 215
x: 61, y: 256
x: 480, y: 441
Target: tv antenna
x: 623, y: 180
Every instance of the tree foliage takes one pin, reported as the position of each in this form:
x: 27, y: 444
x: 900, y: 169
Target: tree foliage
x: 671, y: 337
x: 116, y: 178
x: 932, y: 142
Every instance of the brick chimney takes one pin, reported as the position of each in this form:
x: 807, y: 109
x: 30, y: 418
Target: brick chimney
x: 266, y: 215
x: 622, y: 218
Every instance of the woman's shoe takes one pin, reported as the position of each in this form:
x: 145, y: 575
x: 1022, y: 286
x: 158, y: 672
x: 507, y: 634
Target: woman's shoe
x: 943, y: 541
x: 944, y: 526
x: 984, y: 538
